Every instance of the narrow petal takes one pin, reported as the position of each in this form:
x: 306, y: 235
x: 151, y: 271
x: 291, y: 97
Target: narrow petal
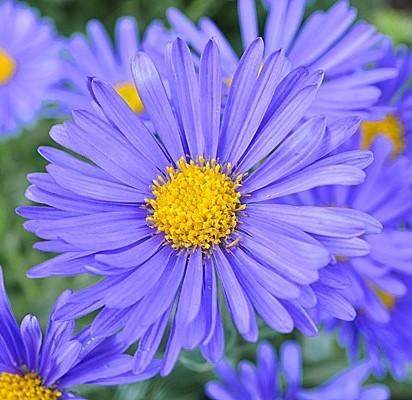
x: 234, y: 293
x: 157, y: 104
x: 191, y: 293
x: 238, y: 100
x: 186, y: 96
x: 248, y: 21
x: 210, y: 97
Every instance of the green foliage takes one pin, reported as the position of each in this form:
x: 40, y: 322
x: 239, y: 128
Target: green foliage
x: 18, y: 157
x: 396, y: 24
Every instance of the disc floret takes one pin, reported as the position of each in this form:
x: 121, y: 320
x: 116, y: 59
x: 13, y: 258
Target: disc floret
x: 196, y: 204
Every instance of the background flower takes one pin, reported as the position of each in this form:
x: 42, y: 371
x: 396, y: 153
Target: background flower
x: 29, y: 65
x: 378, y: 284
x: 397, y: 94
x: 330, y: 41
x: 52, y: 365
x: 282, y: 379
x: 94, y: 55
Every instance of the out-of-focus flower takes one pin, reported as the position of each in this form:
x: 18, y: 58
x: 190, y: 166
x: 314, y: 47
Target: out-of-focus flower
x: 330, y: 41
x: 165, y: 216
x: 377, y: 284
x: 282, y: 379
x: 29, y: 65
x: 383, y: 325
x: 396, y: 125
x: 33, y: 367
x: 95, y: 55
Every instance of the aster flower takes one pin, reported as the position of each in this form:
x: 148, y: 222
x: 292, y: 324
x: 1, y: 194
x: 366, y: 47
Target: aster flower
x: 263, y: 381
x: 377, y: 284
x: 384, y: 328
x: 33, y: 367
x: 28, y: 65
x: 330, y: 41
x: 396, y: 124
x: 167, y: 218
x: 96, y: 55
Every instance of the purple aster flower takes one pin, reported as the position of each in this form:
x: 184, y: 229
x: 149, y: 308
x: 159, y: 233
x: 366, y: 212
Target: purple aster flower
x: 170, y: 218
x: 33, y: 367
x: 378, y: 285
x: 96, y: 55
x: 282, y: 379
x: 29, y: 65
x: 397, y: 94
x: 330, y: 41
x: 383, y: 325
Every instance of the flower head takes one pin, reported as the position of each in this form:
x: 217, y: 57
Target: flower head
x: 282, y: 379
x: 37, y: 367
x: 382, y: 326
x: 396, y: 97
x: 377, y: 284
x: 96, y: 55
x: 168, y: 214
x: 29, y: 65
x: 330, y: 41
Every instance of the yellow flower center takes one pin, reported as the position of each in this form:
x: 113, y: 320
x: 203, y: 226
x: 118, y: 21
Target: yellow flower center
x: 387, y: 299
x: 128, y: 92
x: 389, y: 127
x: 7, y: 67
x: 197, y: 205
x: 25, y: 387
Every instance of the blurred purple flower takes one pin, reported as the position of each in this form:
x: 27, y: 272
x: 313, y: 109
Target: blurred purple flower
x: 29, y: 65
x: 95, y: 55
x: 396, y: 95
x: 273, y: 379
x: 327, y: 40
x: 378, y: 285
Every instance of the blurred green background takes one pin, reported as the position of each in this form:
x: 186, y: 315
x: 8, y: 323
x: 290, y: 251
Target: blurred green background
x: 18, y: 156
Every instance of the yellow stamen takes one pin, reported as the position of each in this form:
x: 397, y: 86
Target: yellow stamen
x: 341, y: 259
x: 27, y: 387
x: 389, y: 127
x: 7, y: 67
x: 197, y: 205
x: 128, y: 92
x: 228, y: 81
x: 386, y: 298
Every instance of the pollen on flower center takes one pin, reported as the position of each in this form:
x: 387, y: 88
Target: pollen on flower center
x: 7, y: 67
x: 389, y: 127
x: 128, y: 92
x: 197, y: 205
x: 27, y: 387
